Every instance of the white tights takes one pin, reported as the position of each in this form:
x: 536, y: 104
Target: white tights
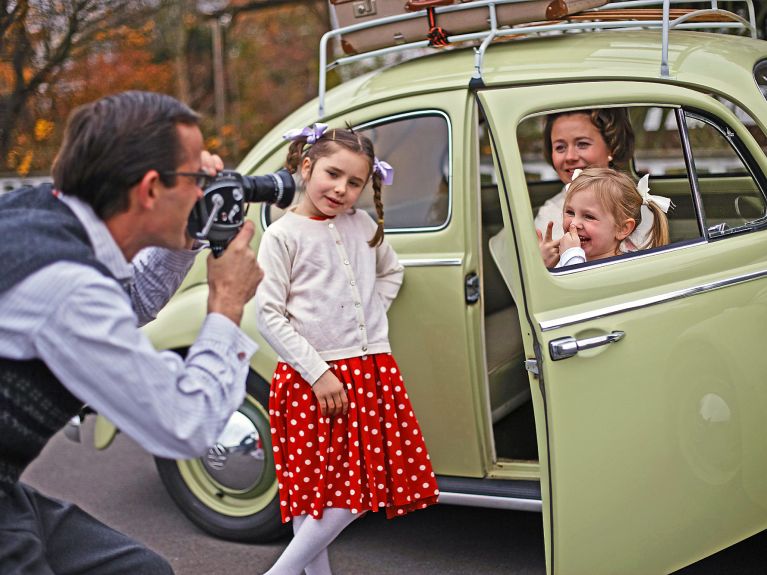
x: 308, y: 551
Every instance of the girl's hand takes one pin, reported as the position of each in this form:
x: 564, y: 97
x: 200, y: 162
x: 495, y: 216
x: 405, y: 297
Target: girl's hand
x: 548, y: 246
x: 330, y: 394
x: 570, y: 239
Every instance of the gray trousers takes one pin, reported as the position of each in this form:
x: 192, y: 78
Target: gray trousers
x: 40, y: 535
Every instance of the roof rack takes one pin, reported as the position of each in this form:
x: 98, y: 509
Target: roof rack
x: 625, y: 14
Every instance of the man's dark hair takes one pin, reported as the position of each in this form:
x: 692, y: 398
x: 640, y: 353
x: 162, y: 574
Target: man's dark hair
x: 111, y: 143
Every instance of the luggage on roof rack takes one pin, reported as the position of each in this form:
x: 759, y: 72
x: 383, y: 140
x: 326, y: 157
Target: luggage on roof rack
x: 351, y: 12
x: 372, y: 27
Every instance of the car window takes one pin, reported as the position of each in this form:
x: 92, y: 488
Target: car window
x: 657, y: 150
x: 731, y: 197
x: 709, y: 174
x: 417, y: 145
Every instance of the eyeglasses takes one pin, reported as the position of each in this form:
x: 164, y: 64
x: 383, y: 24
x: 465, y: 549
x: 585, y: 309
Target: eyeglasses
x: 201, y: 179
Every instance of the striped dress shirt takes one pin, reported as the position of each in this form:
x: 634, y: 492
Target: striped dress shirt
x: 85, y: 327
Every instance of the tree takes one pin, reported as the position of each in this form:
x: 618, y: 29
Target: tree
x: 38, y: 40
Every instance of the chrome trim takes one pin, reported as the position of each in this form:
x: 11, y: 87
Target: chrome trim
x: 649, y: 301
x: 449, y: 175
x: 429, y: 262
x: 632, y: 256
x: 509, y: 503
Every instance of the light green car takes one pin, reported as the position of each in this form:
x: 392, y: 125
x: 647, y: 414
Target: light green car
x: 624, y: 400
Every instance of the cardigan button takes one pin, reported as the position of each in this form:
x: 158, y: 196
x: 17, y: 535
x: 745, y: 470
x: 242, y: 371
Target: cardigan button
x: 331, y: 226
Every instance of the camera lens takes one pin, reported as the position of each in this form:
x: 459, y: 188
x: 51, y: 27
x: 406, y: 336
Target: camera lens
x: 277, y: 188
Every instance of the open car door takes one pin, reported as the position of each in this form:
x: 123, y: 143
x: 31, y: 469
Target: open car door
x: 650, y: 385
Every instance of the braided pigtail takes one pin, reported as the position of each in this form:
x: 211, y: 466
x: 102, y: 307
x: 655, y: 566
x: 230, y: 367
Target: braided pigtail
x: 295, y: 154
x: 378, y: 237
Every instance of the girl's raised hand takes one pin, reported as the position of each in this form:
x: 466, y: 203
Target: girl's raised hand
x: 548, y: 246
x: 570, y: 239
x: 330, y: 394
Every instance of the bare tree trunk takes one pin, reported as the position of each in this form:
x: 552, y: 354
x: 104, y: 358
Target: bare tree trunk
x: 178, y: 14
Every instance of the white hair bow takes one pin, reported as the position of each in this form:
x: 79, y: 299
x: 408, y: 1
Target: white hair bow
x: 576, y: 173
x: 643, y: 187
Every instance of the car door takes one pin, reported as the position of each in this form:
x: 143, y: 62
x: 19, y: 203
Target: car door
x: 648, y: 435
x: 433, y: 321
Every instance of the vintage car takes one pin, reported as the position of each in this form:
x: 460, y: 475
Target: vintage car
x: 623, y: 398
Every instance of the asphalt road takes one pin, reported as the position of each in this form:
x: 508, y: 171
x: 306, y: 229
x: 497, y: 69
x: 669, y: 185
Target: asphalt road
x: 121, y: 487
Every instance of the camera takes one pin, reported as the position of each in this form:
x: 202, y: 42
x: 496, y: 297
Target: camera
x: 219, y: 214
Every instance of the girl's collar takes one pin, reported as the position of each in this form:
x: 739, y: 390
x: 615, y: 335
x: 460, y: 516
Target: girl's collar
x: 315, y: 218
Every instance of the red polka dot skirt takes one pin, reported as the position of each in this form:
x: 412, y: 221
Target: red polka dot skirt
x: 371, y: 458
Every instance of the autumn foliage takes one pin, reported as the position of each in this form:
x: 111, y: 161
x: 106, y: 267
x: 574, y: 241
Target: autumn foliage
x: 269, y: 61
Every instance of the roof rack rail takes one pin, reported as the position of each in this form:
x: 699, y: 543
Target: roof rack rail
x: 623, y: 14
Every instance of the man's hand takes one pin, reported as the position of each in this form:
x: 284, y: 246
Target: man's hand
x: 211, y: 163
x: 330, y: 394
x: 234, y: 276
x: 570, y: 239
x: 548, y: 246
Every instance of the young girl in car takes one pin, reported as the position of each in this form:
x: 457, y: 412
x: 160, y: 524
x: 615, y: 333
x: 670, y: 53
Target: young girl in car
x: 602, y: 208
x: 344, y: 435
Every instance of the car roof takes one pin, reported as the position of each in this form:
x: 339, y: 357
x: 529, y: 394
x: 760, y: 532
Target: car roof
x: 713, y: 62
x: 694, y: 58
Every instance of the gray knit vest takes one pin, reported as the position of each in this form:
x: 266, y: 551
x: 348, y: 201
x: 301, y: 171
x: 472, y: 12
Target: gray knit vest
x: 34, y: 405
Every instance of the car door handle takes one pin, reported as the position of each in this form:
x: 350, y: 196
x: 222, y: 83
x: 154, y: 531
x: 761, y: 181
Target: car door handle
x: 565, y: 347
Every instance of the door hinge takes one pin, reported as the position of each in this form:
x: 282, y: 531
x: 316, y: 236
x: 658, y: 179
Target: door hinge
x: 472, y: 288
x: 531, y: 365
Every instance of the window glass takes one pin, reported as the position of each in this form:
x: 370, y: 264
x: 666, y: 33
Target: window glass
x: 418, y: 147
x: 657, y: 150
x: 731, y: 197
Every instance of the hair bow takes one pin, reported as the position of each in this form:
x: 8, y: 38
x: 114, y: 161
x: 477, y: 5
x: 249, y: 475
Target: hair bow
x: 576, y: 172
x: 310, y: 133
x: 643, y: 187
x: 385, y: 170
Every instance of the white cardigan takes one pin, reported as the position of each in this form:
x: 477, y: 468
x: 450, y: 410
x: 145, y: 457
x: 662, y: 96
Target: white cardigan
x: 325, y: 291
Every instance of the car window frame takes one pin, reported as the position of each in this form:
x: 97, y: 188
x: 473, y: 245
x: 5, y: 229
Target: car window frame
x: 266, y: 219
x: 738, y: 146
x: 682, y: 112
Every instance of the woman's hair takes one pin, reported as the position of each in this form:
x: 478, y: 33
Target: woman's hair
x: 111, y: 143
x: 329, y: 143
x: 614, y: 126
x: 617, y: 193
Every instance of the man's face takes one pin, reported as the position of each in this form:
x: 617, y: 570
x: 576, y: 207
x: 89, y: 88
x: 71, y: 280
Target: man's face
x: 174, y: 204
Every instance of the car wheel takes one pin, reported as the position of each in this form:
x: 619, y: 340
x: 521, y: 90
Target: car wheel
x: 231, y: 492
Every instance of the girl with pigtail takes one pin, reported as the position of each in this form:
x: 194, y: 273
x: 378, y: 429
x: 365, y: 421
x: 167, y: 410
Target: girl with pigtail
x: 344, y: 435
x: 602, y: 208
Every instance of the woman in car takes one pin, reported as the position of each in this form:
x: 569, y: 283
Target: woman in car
x: 600, y: 138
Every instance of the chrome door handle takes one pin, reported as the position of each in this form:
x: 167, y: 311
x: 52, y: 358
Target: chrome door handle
x: 565, y: 347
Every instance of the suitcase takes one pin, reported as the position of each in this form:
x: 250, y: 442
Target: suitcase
x: 349, y: 12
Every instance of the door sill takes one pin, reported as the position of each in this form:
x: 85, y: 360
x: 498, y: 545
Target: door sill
x: 517, y: 495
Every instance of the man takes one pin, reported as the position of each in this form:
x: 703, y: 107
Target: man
x: 77, y: 282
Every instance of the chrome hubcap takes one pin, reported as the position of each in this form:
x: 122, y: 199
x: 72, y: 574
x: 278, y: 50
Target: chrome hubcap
x: 237, y: 460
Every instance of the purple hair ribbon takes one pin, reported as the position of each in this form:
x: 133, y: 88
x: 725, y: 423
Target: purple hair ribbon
x: 310, y: 133
x: 385, y: 170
